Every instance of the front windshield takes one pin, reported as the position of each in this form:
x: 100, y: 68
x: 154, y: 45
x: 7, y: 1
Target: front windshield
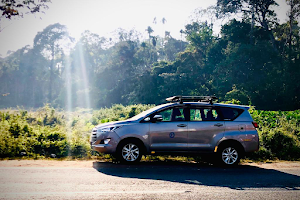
x: 146, y: 112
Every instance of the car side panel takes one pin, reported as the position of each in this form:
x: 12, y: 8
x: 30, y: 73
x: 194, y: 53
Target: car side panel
x: 204, y: 135
x: 243, y: 132
x: 138, y: 130
x: 166, y: 136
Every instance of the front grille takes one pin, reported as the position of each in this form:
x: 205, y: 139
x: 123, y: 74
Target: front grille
x: 94, y: 135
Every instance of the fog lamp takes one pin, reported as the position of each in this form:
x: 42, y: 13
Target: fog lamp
x: 106, y: 141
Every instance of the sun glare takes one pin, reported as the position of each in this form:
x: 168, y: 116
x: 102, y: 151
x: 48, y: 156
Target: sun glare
x: 83, y: 75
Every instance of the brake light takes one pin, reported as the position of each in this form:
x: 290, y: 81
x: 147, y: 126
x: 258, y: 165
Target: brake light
x: 255, y: 124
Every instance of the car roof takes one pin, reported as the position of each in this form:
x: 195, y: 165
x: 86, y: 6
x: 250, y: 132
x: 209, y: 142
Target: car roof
x: 167, y: 105
x: 207, y: 104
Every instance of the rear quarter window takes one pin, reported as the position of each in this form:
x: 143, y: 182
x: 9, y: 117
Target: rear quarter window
x: 230, y: 114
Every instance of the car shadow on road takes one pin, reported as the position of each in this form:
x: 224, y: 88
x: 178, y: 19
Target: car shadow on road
x: 240, y: 177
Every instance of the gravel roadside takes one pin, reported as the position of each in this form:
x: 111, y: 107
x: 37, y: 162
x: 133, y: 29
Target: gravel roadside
x: 89, y: 163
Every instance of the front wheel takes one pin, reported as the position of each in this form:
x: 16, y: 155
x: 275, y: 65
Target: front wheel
x: 129, y: 152
x: 229, y: 155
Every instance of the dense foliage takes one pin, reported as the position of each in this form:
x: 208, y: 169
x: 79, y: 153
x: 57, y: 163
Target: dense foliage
x: 44, y: 133
x: 51, y: 133
x: 279, y: 133
x: 254, y: 59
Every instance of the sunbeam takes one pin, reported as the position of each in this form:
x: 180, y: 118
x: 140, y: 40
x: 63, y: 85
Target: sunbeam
x: 84, y: 77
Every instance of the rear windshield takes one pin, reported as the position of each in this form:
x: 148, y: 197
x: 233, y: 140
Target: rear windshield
x: 230, y: 113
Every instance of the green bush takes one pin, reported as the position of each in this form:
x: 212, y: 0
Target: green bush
x: 282, y: 144
x: 80, y: 149
x: 41, y: 133
x: 117, y: 112
x: 48, y: 132
x: 279, y: 134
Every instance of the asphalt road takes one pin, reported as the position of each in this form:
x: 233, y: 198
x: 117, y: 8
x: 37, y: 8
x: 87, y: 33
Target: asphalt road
x: 149, y: 181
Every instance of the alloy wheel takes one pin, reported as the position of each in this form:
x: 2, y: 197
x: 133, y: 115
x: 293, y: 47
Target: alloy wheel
x: 130, y: 152
x: 229, y: 155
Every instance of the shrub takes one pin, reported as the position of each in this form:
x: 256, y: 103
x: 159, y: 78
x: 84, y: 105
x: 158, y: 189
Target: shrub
x: 279, y: 134
x: 35, y: 134
x: 282, y: 144
x: 118, y: 112
x: 48, y: 132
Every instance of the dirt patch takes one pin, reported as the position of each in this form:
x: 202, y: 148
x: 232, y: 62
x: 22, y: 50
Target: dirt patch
x: 47, y: 163
x: 89, y: 164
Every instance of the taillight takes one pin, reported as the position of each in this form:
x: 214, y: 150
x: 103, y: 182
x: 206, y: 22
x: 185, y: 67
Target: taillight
x: 255, y: 124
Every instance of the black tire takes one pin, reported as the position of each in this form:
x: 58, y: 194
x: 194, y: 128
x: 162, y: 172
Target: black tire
x: 229, y: 155
x: 129, y: 152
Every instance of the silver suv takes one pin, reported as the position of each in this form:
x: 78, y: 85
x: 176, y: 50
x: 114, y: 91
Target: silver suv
x: 188, y: 124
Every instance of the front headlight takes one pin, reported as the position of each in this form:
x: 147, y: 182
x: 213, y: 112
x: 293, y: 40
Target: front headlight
x: 108, y: 129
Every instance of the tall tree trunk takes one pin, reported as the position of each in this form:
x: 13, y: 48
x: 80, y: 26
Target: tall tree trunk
x: 270, y: 33
x: 252, y: 25
x: 291, y: 17
x: 51, y: 74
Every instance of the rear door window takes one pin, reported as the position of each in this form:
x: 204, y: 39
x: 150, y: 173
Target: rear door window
x: 230, y: 114
x: 204, y: 114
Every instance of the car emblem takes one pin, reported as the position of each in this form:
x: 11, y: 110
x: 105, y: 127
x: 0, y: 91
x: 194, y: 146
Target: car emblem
x: 172, y: 135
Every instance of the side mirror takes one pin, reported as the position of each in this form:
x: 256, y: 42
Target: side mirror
x: 157, y: 118
x: 147, y: 119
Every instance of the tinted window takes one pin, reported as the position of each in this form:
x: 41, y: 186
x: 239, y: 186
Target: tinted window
x: 204, y: 114
x: 166, y: 114
x: 230, y: 113
x: 173, y: 114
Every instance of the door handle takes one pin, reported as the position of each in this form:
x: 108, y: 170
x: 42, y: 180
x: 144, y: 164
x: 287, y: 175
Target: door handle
x: 181, y: 125
x: 218, y: 124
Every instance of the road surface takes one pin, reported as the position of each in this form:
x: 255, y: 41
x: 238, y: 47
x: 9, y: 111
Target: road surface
x: 156, y: 180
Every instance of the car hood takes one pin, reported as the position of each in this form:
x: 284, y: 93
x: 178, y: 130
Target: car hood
x: 109, y: 124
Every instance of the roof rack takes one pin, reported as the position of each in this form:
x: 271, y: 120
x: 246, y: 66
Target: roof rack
x: 180, y: 98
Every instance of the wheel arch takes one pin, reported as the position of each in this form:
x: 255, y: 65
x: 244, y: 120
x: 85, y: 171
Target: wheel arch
x: 232, y: 142
x: 137, y: 140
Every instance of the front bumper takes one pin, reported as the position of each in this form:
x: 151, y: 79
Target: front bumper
x: 97, y: 143
x: 103, y: 148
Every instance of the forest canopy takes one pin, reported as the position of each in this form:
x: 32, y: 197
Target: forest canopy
x: 254, y: 60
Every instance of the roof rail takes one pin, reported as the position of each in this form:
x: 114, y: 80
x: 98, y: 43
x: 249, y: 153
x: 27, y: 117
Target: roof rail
x: 180, y: 98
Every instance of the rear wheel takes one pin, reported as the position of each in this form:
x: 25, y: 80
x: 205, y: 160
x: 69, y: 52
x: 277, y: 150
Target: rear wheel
x: 129, y: 152
x: 229, y: 155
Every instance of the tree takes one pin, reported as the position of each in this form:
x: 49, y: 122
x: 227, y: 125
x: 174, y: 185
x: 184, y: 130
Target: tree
x: 22, y: 79
x: 260, y: 11
x: 50, y: 42
x: 88, y: 59
x: 154, y: 40
x: 149, y: 30
x: 172, y: 47
x: 154, y: 20
x: 293, y: 14
x: 200, y: 37
x: 17, y: 8
x: 126, y: 35
x: 205, y: 15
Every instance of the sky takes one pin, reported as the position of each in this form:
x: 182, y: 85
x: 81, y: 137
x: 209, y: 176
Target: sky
x: 105, y: 16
